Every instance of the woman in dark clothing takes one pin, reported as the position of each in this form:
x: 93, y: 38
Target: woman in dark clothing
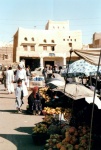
x: 34, y: 101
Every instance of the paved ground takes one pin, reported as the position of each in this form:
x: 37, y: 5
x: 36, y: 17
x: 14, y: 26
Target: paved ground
x: 15, y: 129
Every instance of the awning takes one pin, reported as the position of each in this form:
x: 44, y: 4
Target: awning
x: 29, y: 44
x: 47, y: 44
x: 91, y: 56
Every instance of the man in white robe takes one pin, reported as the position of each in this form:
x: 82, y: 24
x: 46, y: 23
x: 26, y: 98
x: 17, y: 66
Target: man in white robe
x: 9, y: 80
x: 21, y: 74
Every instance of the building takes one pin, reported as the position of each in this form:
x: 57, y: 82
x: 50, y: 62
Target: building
x: 49, y: 46
x: 6, y: 54
x: 96, y: 41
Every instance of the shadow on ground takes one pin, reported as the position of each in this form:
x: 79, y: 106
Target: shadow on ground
x: 10, y: 111
x: 22, y: 142
x: 25, y: 129
x: 15, y: 112
x: 7, y: 97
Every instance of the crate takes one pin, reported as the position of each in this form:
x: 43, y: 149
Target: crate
x: 36, y: 83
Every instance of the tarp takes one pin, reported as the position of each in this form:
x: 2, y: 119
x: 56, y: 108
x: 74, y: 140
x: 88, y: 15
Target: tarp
x: 76, y: 91
x: 83, y: 67
x: 91, y: 56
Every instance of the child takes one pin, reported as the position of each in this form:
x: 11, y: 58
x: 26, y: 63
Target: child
x: 19, y: 95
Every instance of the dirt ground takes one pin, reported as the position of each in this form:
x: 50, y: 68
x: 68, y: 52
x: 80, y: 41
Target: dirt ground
x: 15, y: 129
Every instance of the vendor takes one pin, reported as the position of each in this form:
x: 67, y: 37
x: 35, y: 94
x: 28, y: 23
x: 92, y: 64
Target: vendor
x: 34, y: 102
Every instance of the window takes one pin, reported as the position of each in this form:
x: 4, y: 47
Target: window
x: 32, y: 48
x: 71, y: 39
x: 63, y: 39
x: 67, y: 39
x: 58, y: 27
x: 25, y: 47
x: 53, y: 27
x: 51, y: 54
x: 44, y: 40
x: 44, y: 47
x: 70, y: 44
x: 75, y: 40
x: 25, y: 38
x: 5, y: 56
x: 52, y: 41
x: 32, y: 39
x: 52, y: 48
x: 69, y: 36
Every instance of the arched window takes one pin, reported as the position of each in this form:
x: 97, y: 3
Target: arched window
x: 32, y: 39
x: 25, y: 39
x: 52, y: 41
x: 44, y: 40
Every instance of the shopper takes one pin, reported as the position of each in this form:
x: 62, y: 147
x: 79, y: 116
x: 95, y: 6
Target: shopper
x: 4, y: 76
x: 19, y: 95
x: 49, y: 72
x: 44, y: 73
x: 10, y: 80
x: 34, y: 101
x: 21, y: 74
x: 28, y: 74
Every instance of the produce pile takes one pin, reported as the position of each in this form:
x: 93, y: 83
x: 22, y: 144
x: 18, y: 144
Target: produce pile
x: 49, y: 110
x: 75, y: 139
x: 58, y: 110
x: 42, y: 92
x: 62, y: 136
x: 53, y: 141
x: 40, y: 128
x: 48, y: 119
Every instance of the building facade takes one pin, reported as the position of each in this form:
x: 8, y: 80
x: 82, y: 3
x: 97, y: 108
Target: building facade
x: 96, y: 41
x: 49, y: 46
x: 6, y: 55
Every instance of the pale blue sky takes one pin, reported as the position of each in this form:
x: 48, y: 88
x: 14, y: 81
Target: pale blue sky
x: 83, y: 15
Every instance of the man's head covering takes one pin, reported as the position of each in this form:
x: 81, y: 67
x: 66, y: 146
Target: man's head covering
x: 35, y: 90
x: 20, y: 65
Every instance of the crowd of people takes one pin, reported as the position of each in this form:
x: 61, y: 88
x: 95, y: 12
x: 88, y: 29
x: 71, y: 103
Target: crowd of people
x: 21, y: 78
x: 17, y: 81
x: 48, y: 71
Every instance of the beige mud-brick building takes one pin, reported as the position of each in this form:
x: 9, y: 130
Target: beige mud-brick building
x: 6, y: 55
x: 96, y: 40
x: 49, y: 46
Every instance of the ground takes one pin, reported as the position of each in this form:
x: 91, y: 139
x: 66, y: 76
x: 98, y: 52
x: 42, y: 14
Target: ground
x: 15, y: 129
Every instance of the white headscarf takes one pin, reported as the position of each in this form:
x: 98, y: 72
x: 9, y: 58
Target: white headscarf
x: 21, y: 65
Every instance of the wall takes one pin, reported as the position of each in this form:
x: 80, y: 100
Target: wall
x: 6, y: 55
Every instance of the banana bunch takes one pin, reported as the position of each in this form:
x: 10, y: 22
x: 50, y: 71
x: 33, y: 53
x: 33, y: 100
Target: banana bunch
x: 51, y: 111
x: 40, y: 128
x: 42, y: 92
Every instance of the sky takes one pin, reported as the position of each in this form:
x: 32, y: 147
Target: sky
x: 84, y: 15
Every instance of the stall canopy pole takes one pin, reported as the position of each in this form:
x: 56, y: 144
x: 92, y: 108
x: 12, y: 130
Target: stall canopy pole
x: 90, y: 138
x: 68, y: 69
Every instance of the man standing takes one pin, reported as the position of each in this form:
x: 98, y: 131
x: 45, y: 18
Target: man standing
x: 21, y: 74
x: 10, y: 80
x: 4, y: 76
